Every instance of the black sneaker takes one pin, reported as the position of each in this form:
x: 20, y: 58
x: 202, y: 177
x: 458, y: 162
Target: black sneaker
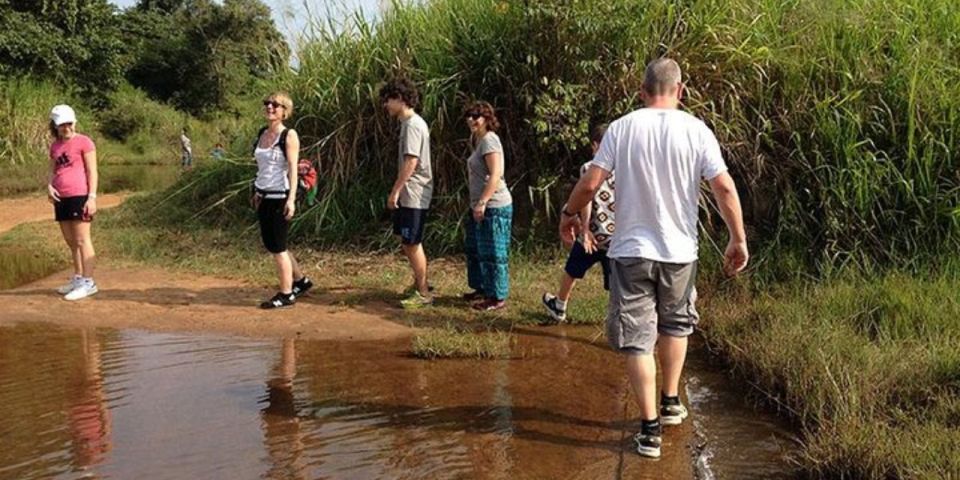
x: 672, y: 412
x: 556, y: 313
x: 279, y: 300
x: 648, y: 445
x: 301, y: 286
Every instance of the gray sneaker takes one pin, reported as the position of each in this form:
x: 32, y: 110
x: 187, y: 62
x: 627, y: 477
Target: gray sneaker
x: 648, y: 445
x: 673, y: 414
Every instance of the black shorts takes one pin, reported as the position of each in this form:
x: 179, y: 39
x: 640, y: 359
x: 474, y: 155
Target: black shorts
x: 71, y: 209
x: 580, y: 261
x: 273, y: 224
x: 408, y: 223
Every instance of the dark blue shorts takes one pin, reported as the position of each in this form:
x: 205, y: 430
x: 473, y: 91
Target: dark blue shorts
x: 408, y: 223
x: 579, y: 261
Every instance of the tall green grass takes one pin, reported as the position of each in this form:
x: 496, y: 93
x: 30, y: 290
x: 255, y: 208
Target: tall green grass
x: 837, y: 118
x: 869, y: 367
x: 24, y: 138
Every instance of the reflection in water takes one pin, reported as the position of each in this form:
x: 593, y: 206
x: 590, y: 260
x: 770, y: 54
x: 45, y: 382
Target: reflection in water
x: 88, y: 416
x: 283, y: 436
x: 133, y: 404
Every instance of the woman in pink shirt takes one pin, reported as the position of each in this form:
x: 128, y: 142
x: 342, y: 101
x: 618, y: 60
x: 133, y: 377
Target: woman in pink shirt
x: 73, y: 192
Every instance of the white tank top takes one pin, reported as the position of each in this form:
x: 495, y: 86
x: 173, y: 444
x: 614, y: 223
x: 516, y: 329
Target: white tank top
x: 272, y: 169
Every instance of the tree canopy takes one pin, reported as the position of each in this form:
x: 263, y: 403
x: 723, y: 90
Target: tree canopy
x: 198, y: 55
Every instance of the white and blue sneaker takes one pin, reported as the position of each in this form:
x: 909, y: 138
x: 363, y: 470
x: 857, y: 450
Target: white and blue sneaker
x: 71, y: 285
x: 86, y: 288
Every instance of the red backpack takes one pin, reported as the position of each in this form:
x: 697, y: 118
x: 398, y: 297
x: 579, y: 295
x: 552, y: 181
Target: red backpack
x: 307, y: 173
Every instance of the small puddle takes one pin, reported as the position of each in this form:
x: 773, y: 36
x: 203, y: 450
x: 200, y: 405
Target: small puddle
x: 736, y: 438
x: 103, y: 403
x: 137, y: 177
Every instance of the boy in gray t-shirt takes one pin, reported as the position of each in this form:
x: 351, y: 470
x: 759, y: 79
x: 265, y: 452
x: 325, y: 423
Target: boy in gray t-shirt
x: 409, y: 199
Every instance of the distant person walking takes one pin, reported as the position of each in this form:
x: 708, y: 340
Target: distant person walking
x: 186, y: 150
x: 660, y: 155
x: 488, y: 224
x: 591, y: 247
x: 277, y: 152
x: 409, y: 199
x: 73, y: 191
x: 218, y: 152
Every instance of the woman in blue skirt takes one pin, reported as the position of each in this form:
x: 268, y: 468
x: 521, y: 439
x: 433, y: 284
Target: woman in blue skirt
x: 491, y: 213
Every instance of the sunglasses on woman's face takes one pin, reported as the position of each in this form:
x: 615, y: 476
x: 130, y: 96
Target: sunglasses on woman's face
x: 271, y: 103
x: 473, y: 115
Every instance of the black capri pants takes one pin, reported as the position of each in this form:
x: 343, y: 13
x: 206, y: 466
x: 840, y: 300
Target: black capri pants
x: 273, y: 224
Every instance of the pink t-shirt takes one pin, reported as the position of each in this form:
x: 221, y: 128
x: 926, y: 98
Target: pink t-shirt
x: 70, y: 172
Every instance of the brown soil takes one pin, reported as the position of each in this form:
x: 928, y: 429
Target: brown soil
x: 15, y: 211
x: 155, y: 299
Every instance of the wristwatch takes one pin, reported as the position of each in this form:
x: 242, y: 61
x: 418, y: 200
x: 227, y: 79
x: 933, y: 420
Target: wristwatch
x: 569, y: 214
x: 92, y: 195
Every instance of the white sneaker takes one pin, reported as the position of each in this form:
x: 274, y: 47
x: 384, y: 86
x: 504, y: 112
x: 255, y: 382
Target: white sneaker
x: 83, y: 291
x: 70, y: 286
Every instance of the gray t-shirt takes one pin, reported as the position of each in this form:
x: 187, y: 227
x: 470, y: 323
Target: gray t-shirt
x: 415, y: 141
x: 479, y: 174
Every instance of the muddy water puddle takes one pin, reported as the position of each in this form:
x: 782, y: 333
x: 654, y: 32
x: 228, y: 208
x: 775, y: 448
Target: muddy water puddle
x: 103, y: 403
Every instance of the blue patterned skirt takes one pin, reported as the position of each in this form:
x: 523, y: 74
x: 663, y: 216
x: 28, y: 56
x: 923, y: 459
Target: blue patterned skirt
x: 487, y: 246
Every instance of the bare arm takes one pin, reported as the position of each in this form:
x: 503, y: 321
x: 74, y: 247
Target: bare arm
x: 93, y: 180
x: 293, y: 162
x: 589, y: 243
x: 406, y: 171
x: 494, y: 166
x: 52, y: 194
x: 728, y: 201
x: 580, y: 197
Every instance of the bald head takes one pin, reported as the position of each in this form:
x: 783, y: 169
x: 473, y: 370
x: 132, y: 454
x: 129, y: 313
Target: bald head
x: 662, y: 77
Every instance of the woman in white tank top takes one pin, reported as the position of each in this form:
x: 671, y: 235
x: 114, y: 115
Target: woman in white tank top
x: 277, y: 153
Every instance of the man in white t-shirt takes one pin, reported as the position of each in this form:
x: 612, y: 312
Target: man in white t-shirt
x: 660, y: 155
x: 186, y: 150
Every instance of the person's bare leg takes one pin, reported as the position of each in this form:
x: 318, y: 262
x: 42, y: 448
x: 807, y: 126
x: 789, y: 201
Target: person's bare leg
x: 84, y: 247
x: 295, y: 268
x: 642, y: 371
x: 672, y: 352
x: 566, y: 287
x: 284, y: 271
x: 66, y: 228
x: 418, y: 262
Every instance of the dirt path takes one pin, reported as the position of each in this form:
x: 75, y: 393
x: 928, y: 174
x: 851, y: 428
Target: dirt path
x: 14, y: 211
x: 155, y: 299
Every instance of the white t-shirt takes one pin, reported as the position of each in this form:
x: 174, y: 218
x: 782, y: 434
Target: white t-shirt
x: 660, y: 157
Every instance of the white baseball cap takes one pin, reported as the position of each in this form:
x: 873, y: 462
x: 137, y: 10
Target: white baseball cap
x: 62, y: 114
